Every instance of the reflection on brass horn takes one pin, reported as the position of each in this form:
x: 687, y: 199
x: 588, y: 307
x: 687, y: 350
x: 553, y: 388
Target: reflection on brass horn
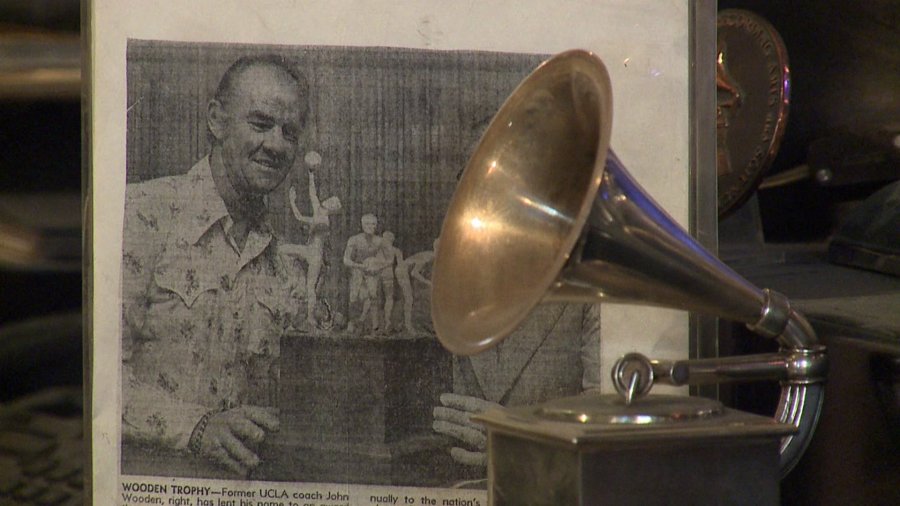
x: 545, y: 211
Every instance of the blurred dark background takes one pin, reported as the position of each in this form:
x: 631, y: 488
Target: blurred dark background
x: 844, y: 119
x: 40, y: 187
x: 834, y: 181
x: 41, y: 396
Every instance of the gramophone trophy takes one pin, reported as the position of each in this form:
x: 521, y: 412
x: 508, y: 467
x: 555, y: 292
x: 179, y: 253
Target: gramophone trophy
x: 544, y: 212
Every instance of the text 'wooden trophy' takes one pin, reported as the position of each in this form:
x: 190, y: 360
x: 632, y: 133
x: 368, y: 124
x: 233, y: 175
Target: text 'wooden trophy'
x: 545, y: 212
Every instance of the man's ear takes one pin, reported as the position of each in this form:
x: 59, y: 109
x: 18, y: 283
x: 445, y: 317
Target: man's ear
x: 216, y: 119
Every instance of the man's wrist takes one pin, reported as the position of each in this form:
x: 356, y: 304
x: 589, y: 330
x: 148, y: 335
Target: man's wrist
x: 196, y: 439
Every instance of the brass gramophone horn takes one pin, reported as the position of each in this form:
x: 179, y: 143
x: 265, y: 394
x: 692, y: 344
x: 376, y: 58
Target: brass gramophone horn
x: 545, y: 211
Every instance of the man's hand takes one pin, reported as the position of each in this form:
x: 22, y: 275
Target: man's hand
x: 292, y: 194
x: 452, y: 418
x: 229, y: 433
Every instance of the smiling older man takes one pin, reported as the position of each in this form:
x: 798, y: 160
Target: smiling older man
x: 205, y: 296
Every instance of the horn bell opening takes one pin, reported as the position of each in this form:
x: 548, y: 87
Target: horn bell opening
x: 522, y: 202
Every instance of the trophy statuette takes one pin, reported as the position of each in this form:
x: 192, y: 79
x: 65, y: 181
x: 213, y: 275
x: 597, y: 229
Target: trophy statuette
x: 546, y: 212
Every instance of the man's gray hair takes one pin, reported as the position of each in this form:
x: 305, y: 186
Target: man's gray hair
x: 225, y: 90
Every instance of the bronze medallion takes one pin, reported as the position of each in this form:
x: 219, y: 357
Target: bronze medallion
x: 752, y: 96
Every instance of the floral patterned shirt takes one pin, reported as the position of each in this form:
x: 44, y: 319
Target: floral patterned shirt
x: 202, y: 319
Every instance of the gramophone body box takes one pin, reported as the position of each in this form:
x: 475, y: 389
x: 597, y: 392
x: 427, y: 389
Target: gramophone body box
x: 670, y: 450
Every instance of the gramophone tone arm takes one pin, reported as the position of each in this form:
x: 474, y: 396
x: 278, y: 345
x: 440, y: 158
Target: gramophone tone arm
x: 801, y: 366
x: 801, y: 360
x: 794, y: 366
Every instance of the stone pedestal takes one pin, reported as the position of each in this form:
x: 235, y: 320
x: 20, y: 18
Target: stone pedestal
x: 359, y: 410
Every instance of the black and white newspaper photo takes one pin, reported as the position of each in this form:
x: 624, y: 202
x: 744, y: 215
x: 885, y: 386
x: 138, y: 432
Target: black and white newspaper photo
x: 279, y: 229
x: 266, y: 211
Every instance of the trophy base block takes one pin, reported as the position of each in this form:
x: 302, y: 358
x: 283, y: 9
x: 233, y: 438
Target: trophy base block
x: 416, y: 460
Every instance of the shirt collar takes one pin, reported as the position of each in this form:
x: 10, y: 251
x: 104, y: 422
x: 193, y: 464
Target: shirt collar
x: 204, y: 207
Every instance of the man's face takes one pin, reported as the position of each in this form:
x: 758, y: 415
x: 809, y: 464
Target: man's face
x: 261, y: 129
x: 369, y: 224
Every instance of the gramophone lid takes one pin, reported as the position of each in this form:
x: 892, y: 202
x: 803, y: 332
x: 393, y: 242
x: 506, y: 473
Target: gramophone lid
x: 593, y: 421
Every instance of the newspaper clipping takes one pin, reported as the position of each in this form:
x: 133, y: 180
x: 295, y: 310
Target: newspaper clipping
x: 281, y: 213
x: 264, y: 302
